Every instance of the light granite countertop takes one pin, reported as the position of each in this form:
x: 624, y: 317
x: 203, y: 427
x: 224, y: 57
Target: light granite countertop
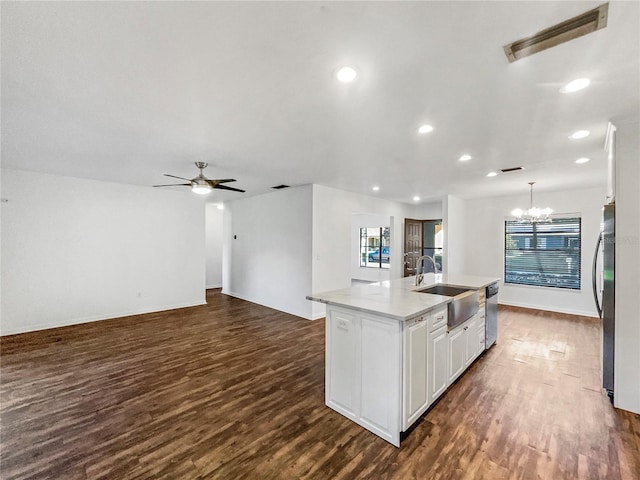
x: 399, y: 299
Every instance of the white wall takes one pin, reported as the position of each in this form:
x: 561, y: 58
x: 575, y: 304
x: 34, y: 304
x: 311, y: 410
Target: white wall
x: 267, y: 249
x: 627, y: 336
x: 358, y: 221
x: 1, y: 203
x: 454, y: 225
x: 484, y: 246
x: 213, y: 242
x: 430, y: 211
x: 332, y: 233
x: 77, y: 250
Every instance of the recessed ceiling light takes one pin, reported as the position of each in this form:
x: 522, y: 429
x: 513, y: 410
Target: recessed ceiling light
x: 491, y: 174
x: 582, y: 160
x: 579, y: 134
x: 416, y: 198
x: 575, y: 85
x: 425, y: 129
x: 465, y: 157
x: 346, y: 74
x: 376, y: 188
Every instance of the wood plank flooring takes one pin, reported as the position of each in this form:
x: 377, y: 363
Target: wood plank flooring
x: 234, y: 390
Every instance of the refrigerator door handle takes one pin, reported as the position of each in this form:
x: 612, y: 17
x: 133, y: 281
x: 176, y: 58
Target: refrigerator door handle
x: 594, y: 271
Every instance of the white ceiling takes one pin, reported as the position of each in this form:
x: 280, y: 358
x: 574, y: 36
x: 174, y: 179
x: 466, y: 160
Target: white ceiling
x: 125, y: 92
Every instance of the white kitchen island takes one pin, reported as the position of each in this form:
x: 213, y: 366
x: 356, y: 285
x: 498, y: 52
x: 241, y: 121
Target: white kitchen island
x: 389, y: 352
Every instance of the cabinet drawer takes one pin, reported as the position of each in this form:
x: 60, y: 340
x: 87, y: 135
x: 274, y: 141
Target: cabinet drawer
x: 437, y: 319
x: 416, y: 320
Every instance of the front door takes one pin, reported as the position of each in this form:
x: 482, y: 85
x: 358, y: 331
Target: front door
x: 412, y: 245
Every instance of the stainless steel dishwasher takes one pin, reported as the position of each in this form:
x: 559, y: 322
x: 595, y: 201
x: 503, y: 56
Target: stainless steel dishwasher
x: 491, y: 315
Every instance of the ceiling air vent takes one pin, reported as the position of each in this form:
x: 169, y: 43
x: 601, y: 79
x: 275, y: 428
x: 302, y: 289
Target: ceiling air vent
x: 512, y: 169
x: 280, y: 187
x: 563, y: 32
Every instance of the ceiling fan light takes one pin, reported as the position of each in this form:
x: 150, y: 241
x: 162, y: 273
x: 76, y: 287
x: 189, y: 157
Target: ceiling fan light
x: 201, y: 189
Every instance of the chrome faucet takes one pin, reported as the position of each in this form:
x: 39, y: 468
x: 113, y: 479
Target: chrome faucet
x: 419, y: 264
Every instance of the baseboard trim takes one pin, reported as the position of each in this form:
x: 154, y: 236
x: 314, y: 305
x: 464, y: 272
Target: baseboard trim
x: 97, y: 318
x: 306, y: 316
x: 318, y: 316
x: 546, y: 308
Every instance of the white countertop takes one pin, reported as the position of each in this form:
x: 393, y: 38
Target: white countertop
x: 398, y: 299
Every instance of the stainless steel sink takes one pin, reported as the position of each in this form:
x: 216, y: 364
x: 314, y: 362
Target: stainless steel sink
x: 463, y: 307
x: 446, y: 290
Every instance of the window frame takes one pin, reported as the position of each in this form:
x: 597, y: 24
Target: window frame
x: 363, y: 250
x: 432, y: 250
x: 544, y: 255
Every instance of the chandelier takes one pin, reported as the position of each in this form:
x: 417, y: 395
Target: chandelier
x: 532, y: 214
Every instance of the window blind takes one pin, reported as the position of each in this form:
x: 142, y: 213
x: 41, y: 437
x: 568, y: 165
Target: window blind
x: 543, y: 254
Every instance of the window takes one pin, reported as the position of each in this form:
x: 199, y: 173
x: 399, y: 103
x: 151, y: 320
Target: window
x: 374, y: 247
x: 543, y: 254
x: 432, y: 242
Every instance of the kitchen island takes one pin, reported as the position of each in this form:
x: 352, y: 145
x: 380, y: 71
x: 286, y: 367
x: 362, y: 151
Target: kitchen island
x: 390, y: 352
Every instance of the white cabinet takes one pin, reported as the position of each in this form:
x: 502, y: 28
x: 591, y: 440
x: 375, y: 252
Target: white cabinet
x: 438, y: 319
x: 438, y: 362
x: 363, y: 369
x: 471, y: 334
x: 457, y: 352
x: 340, y: 359
x: 384, y: 374
x: 464, y: 346
x: 416, y: 398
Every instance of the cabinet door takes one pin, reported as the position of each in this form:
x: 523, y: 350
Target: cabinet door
x: 471, y: 338
x: 341, y: 383
x: 457, y: 352
x: 380, y: 352
x: 415, y: 368
x: 438, y: 362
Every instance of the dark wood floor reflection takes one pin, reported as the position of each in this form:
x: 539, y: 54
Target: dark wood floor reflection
x: 234, y: 390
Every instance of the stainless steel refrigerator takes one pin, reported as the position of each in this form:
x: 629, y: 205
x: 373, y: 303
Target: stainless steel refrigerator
x: 604, y: 293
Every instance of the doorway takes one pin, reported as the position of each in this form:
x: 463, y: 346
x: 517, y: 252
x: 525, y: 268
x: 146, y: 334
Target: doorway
x: 422, y: 237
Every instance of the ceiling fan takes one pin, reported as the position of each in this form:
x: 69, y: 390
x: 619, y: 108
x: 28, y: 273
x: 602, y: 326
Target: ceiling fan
x: 202, y: 184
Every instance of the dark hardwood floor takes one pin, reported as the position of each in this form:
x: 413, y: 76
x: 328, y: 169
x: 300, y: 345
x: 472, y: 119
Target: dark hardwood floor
x: 234, y: 390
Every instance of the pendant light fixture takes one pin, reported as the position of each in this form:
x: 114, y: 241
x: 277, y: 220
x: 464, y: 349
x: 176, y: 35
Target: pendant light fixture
x: 532, y: 214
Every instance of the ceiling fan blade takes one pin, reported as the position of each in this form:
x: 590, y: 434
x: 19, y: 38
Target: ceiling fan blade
x: 215, y: 181
x: 181, y: 178
x: 174, y: 185
x: 223, y: 180
x: 224, y: 187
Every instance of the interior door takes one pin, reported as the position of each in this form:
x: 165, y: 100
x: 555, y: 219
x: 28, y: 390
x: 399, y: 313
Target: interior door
x: 412, y: 245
